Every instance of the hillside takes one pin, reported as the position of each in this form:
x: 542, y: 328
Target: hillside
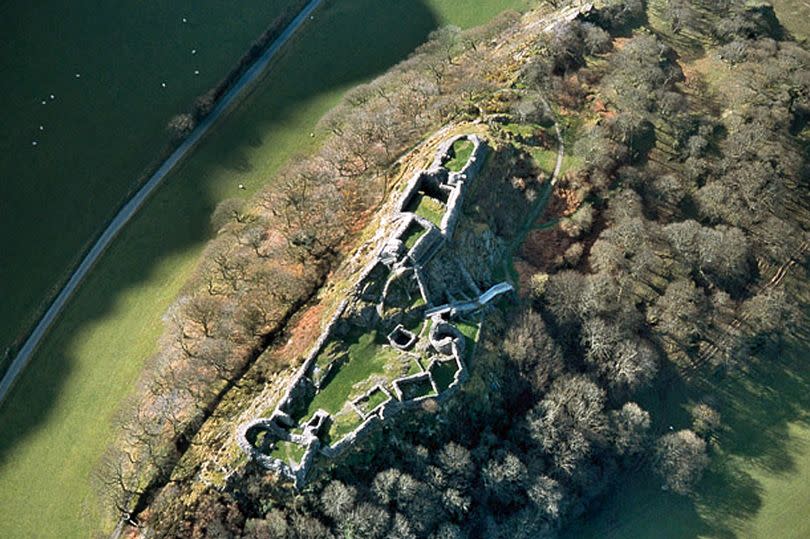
x: 645, y: 195
x: 85, y: 117
x: 90, y: 362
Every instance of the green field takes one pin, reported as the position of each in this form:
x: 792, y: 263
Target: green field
x: 462, y: 150
x: 101, y: 130
x: 55, y: 424
x: 758, y: 484
x: 429, y: 208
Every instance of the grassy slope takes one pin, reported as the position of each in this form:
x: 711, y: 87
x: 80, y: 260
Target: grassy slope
x: 102, y: 129
x: 55, y: 424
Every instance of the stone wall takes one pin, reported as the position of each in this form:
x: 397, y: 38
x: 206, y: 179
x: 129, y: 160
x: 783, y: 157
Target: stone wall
x: 295, y: 389
x: 356, y: 402
x: 332, y: 451
x: 411, y: 188
x: 461, y: 307
x: 459, y: 180
x: 424, y: 246
x: 421, y: 281
x: 446, y: 339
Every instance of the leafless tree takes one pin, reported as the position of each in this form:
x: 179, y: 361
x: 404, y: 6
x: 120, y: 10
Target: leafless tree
x: 681, y: 459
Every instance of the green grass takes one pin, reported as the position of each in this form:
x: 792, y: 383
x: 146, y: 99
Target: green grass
x: 521, y: 129
x: 367, y: 357
x: 546, y: 159
x: 462, y: 150
x: 571, y: 162
x: 344, y: 423
x: 376, y: 398
x: 288, y: 452
x: 429, y: 208
x: 101, y: 130
x: 93, y: 356
x: 443, y: 373
x: 414, y: 367
x: 758, y: 484
x: 370, y: 361
x: 762, y: 504
x: 412, y: 235
x: 331, y: 351
x: 470, y: 332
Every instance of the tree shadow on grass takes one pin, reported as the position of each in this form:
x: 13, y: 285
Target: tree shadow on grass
x: 728, y: 495
x: 758, y: 404
x: 239, y: 162
x: 74, y: 388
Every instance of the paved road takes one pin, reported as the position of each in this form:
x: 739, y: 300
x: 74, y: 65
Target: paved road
x: 134, y: 204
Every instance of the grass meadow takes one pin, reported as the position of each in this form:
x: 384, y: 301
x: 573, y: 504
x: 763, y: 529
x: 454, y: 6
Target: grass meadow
x: 56, y: 422
x: 84, y: 81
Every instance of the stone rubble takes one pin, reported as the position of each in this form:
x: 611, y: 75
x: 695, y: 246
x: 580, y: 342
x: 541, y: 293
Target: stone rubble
x: 401, y: 265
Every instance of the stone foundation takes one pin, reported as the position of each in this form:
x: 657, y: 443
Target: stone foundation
x: 399, y: 263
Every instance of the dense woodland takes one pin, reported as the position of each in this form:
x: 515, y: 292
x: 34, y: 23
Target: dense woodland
x: 686, y: 202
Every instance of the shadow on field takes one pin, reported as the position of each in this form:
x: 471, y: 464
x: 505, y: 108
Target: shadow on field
x: 757, y: 406
x: 348, y: 42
